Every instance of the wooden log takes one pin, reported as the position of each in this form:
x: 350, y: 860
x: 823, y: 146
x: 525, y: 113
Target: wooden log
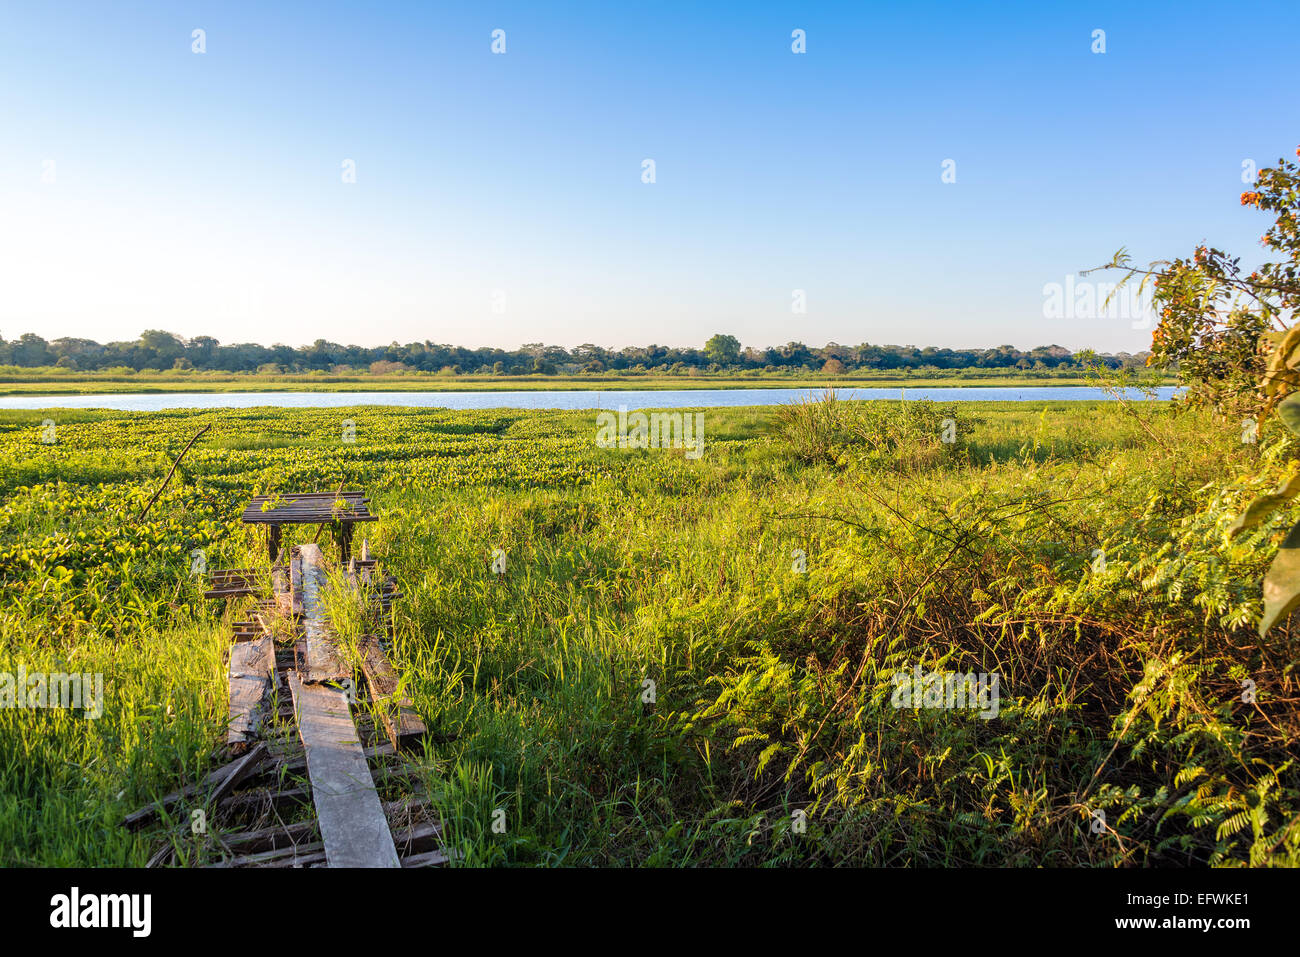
x: 404, y: 726
x: 352, y: 822
x: 252, y: 669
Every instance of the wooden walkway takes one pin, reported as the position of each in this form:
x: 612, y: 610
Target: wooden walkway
x: 286, y: 663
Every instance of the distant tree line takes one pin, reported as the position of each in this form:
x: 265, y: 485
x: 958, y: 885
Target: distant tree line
x: 158, y: 350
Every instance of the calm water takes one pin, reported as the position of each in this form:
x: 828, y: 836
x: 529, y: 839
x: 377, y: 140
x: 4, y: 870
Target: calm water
x: 668, y: 399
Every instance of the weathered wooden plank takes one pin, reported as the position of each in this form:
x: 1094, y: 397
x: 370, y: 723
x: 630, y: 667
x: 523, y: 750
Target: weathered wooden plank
x: 245, y: 767
x: 324, y: 660
x: 252, y: 669
x: 414, y: 835
x: 417, y: 838
x: 253, y: 803
x: 233, y: 592
x: 309, y: 517
x: 244, y: 631
x: 352, y: 821
x: 280, y: 768
x: 286, y: 499
x: 231, y: 583
x: 295, y: 585
x: 240, y: 772
x: 427, y: 859
x: 346, y: 508
x: 404, y: 726
x: 263, y: 765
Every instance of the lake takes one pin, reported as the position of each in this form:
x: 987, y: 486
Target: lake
x: 570, y: 399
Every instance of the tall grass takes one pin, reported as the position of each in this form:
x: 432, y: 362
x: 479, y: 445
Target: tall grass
x: 684, y: 657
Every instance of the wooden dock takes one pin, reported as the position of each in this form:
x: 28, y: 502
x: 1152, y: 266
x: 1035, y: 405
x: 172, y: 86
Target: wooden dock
x: 286, y: 664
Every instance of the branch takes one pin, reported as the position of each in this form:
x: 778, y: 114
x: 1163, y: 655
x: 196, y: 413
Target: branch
x: 173, y: 469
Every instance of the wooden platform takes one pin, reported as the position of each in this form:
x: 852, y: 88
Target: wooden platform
x: 286, y: 642
x: 339, y: 509
x: 308, y: 508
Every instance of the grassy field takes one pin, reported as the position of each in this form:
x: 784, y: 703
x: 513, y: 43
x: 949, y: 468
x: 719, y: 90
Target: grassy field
x: 60, y: 383
x: 696, y: 661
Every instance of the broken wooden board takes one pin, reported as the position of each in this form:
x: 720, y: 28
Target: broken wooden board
x: 254, y: 767
x: 251, y: 630
x: 252, y: 669
x: 421, y: 839
x: 242, y: 771
x: 352, y: 822
x: 231, y: 583
x: 220, y: 782
x: 404, y: 726
x: 324, y: 661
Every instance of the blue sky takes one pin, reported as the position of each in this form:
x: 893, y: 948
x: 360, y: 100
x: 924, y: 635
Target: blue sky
x: 499, y: 198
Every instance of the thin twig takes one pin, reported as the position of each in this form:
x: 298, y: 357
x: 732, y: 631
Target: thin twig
x: 173, y: 469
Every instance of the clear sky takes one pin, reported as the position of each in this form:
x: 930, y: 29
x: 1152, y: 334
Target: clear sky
x: 499, y: 197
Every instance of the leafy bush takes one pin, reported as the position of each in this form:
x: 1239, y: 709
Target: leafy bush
x: 903, y: 436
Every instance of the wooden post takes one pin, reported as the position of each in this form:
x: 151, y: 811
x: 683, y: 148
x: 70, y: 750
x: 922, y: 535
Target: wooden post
x: 345, y: 542
x: 274, y: 542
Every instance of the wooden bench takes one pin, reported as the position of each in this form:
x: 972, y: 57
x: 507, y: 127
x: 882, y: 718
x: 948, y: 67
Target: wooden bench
x: 340, y: 510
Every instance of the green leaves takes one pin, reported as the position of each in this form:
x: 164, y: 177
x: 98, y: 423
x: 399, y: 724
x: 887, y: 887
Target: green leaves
x: 1265, y: 505
x: 1282, y: 583
x: 1281, y: 372
x: 1289, y: 413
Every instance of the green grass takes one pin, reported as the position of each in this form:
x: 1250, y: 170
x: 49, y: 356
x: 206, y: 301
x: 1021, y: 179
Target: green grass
x: 772, y: 686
